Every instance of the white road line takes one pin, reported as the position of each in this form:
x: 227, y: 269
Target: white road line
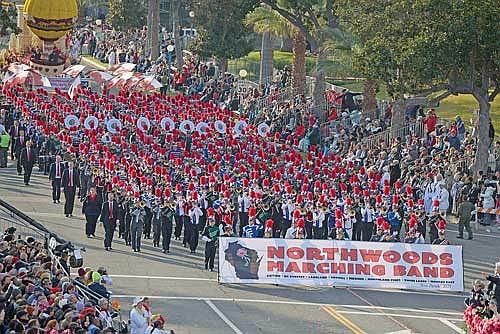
x: 286, y: 302
x: 171, y: 278
x: 223, y: 317
x: 451, y: 325
x: 436, y: 294
x: 398, y: 315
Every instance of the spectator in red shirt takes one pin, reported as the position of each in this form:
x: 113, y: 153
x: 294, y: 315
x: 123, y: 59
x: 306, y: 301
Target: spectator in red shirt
x: 430, y: 121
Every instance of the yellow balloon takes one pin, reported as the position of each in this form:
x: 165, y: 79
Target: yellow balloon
x: 50, y: 19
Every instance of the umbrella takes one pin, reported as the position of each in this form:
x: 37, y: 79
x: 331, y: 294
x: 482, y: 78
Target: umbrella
x: 122, y: 68
x: 100, y: 76
x: 74, y: 70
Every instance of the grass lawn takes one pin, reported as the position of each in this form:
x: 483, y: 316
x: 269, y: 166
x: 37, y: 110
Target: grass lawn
x: 464, y: 105
x: 95, y: 60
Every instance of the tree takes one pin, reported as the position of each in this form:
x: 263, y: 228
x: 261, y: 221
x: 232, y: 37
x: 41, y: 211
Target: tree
x: 318, y: 22
x: 222, y: 33
x: 427, y: 46
x: 84, y: 4
x: 270, y: 24
x: 299, y: 62
x: 8, y: 20
x: 126, y: 14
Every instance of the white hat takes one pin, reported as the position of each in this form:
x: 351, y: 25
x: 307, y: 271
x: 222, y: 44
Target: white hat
x: 498, y: 264
x: 137, y: 300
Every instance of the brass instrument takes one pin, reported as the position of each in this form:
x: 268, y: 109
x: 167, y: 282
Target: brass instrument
x: 383, y: 211
x: 294, y: 192
x: 232, y: 207
x: 172, y: 205
x: 324, y: 209
x: 95, y: 170
x: 142, y: 204
x: 238, y: 190
x: 302, y: 211
x: 442, y: 214
x: 352, y: 213
x: 126, y: 156
x: 419, y: 213
x: 265, y: 207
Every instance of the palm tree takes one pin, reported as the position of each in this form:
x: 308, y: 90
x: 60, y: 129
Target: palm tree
x: 299, y: 62
x: 270, y: 24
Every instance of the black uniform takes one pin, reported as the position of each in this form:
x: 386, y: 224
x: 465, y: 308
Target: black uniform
x: 167, y: 216
x: 210, y: 234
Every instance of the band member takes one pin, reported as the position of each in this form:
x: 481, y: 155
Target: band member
x: 413, y: 236
x: 252, y: 230
x: 91, y: 209
x: 127, y: 218
x: 210, y: 236
x: 70, y: 182
x: 433, y: 220
x: 20, y: 144
x: 138, y: 214
x: 441, y: 240
x: 367, y: 217
x: 288, y: 208
x: 291, y: 232
x: 340, y: 233
x: 55, y: 175
x: 156, y: 222
x: 318, y: 222
x: 27, y: 160
x: 243, y: 206
x: 179, y: 216
x: 167, y: 217
x: 379, y: 234
x: 136, y: 227
x: 268, y: 231
x: 195, y: 214
x: 14, y: 132
x: 109, y: 219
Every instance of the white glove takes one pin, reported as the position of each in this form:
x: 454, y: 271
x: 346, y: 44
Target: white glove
x: 205, y: 238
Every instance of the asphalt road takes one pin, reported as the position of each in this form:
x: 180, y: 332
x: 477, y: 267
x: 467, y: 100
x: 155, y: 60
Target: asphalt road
x: 193, y: 302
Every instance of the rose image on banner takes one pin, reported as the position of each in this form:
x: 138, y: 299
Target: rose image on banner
x: 341, y: 263
x: 244, y: 260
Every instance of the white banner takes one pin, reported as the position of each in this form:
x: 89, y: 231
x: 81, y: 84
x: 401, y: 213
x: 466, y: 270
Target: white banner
x: 341, y: 263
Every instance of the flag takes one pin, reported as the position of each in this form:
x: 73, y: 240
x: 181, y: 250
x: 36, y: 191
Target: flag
x: 74, y: 85
x: 74, y: 70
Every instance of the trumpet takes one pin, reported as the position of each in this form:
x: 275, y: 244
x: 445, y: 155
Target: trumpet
x: 238, y: 190
x: 324, y: 209
x: 383, y: 211
x: 95, y: 170
x: 294, y: 192
x: 142, y: 204
x: 265, y: 207
x: 302, y: 211
x: 352, y: 213
x: 232, y: 207
x: 442, y: 214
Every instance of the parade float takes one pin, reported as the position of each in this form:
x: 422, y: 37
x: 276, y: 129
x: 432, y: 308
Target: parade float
x: 45, y: 24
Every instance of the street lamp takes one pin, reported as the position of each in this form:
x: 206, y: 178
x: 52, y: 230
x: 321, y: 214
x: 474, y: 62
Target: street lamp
x: 191, y: 14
